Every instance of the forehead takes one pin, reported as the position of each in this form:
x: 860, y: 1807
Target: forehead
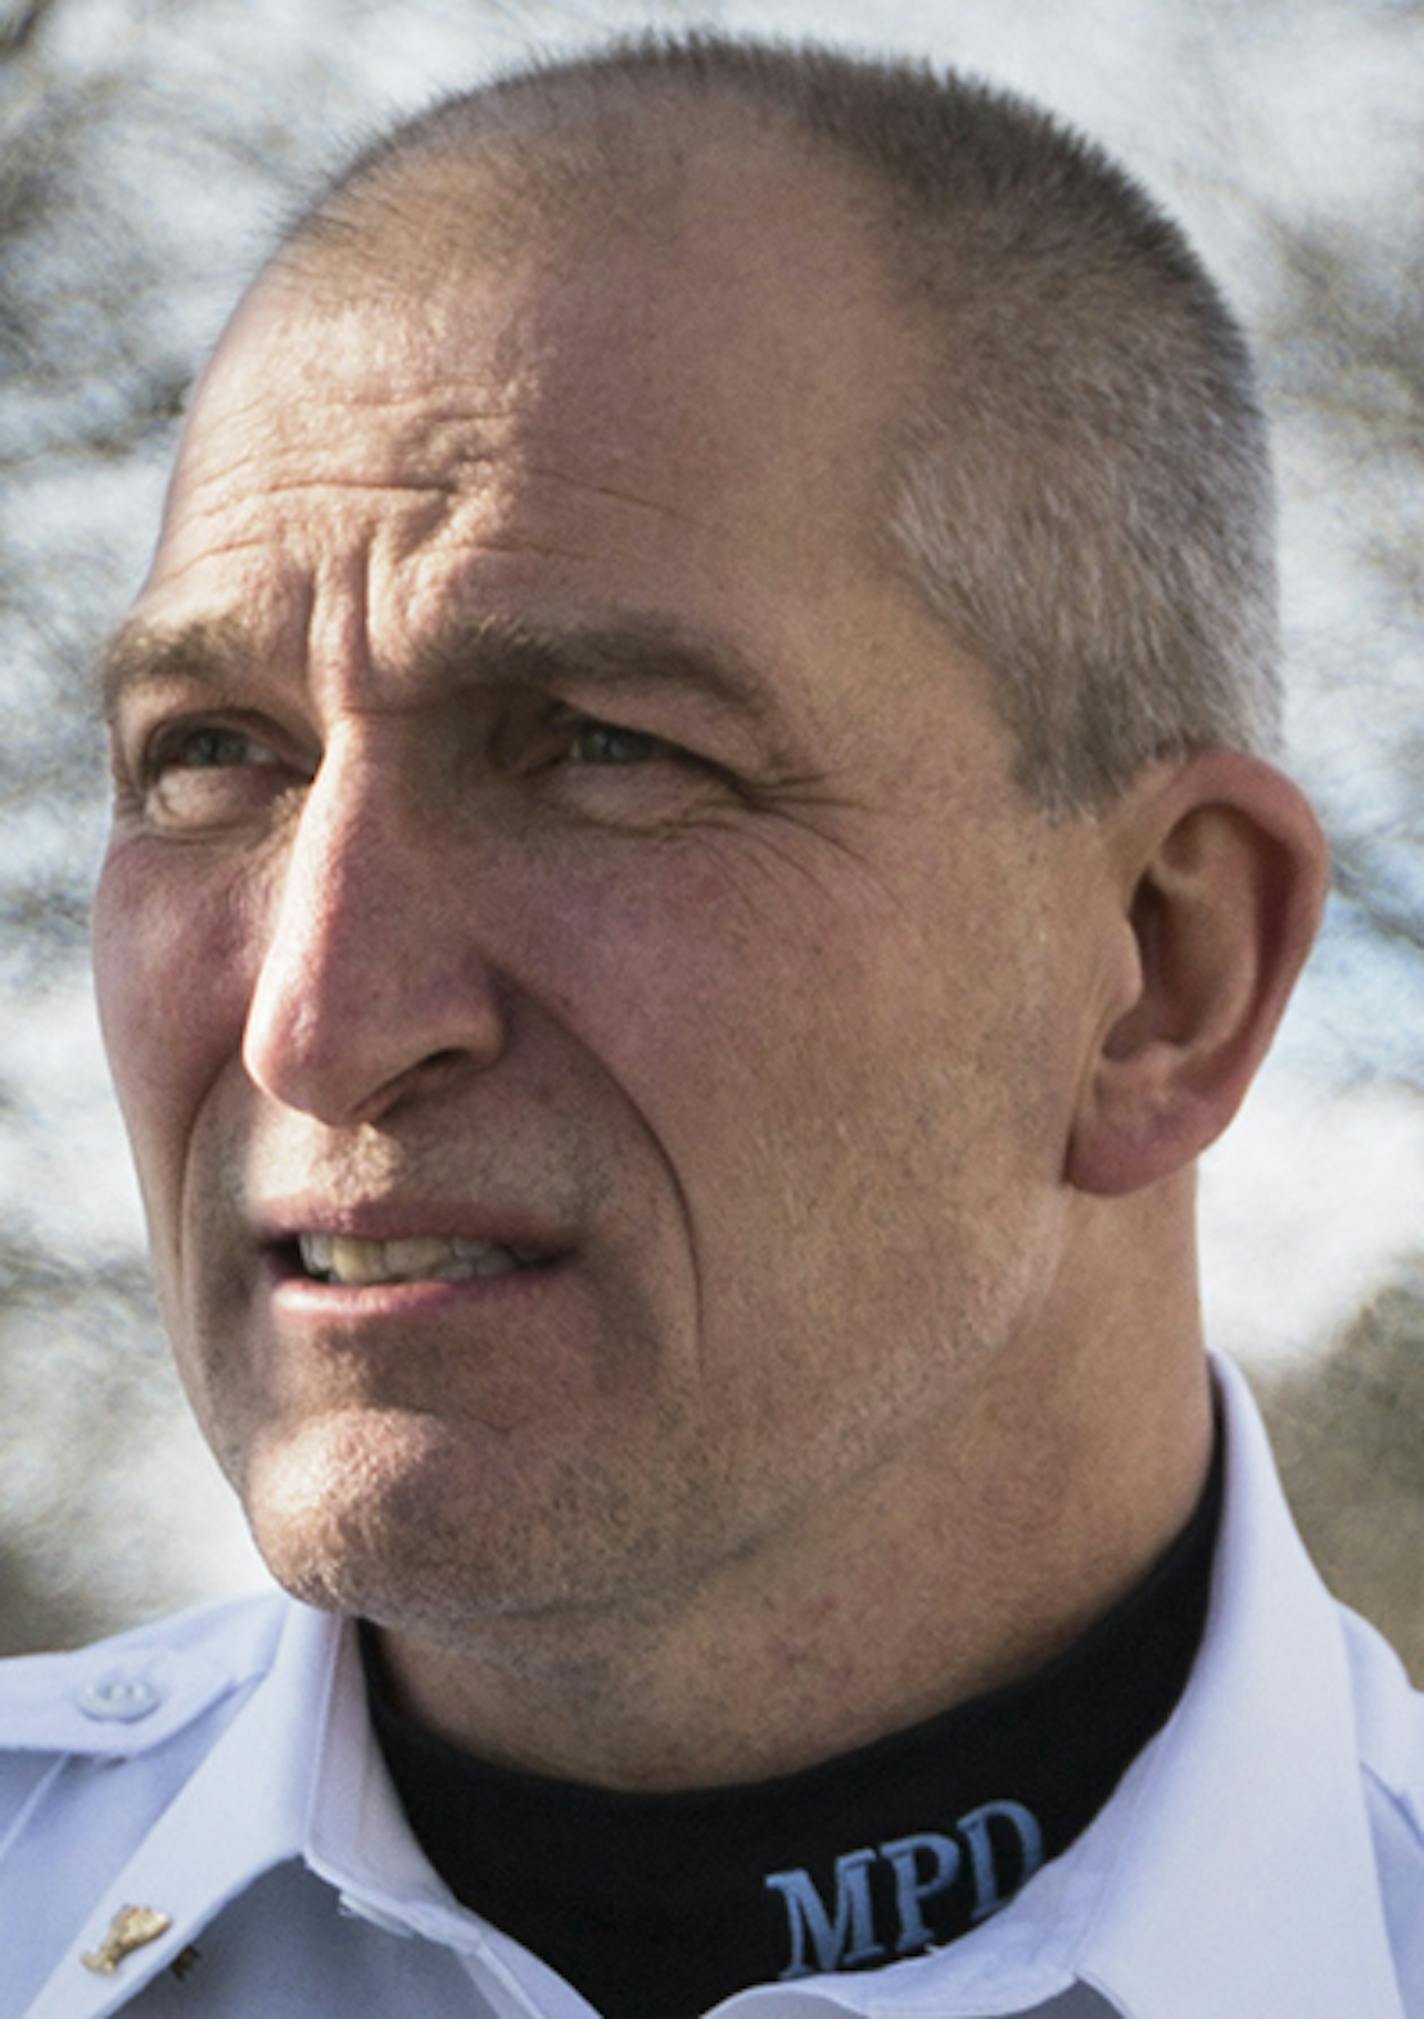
x: 683, y: 427
x: 687, y: 413
x: 735, y: 331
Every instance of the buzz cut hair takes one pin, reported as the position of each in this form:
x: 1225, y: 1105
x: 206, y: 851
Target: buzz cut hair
x: 1079, y: 485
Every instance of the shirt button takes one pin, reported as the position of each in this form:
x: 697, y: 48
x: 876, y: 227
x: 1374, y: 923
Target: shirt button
x: 120, y: 1699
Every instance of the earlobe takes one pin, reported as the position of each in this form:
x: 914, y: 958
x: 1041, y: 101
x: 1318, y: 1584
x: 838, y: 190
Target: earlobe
x: 1224, y: 874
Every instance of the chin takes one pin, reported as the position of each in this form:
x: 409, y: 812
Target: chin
x: 375, y: 1517
x: 398, y: 1523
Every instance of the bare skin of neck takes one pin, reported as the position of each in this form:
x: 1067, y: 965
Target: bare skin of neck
x: 975, y: 1559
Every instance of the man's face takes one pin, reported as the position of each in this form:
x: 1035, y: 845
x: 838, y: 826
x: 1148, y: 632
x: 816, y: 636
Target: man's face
x: 542, y: 827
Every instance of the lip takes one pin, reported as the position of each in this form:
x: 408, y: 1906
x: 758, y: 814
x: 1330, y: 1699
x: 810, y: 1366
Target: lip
x: 304, y: 1297
x: 278, y: 1223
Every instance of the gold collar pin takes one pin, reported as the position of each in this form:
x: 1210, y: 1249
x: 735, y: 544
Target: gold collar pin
x: 130, y: 1929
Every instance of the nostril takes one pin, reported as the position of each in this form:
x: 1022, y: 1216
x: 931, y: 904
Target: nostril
x: 425, y: 1076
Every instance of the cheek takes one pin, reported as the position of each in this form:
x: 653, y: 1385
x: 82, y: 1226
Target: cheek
x: 813, y: 1057
x: 772, y: 1034
x: 680, y: 986
x: 173, y: 971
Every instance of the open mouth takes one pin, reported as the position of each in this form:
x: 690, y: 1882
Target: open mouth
x: 344, y: 1260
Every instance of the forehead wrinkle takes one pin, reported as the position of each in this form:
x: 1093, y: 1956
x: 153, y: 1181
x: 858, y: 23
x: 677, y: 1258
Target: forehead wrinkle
x: 619, y: 494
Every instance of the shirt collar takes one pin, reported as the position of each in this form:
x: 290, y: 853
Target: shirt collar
x: 1233, y: 1871
x: 1247, y: 1849
x: 188, y: 1866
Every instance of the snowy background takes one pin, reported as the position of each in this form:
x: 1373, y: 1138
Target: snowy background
x: 148, y: 151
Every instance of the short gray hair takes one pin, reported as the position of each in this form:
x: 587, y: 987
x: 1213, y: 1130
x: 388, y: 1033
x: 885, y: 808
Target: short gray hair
x: 1080, y: 489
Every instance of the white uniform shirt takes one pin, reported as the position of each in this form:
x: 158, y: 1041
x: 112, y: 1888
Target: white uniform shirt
x: 1263, y: 1858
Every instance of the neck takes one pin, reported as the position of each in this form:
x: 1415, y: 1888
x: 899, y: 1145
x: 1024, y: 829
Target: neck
x: 973, y: 1560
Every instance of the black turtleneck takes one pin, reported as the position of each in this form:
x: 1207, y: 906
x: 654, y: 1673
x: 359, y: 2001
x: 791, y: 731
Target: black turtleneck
x: 657, y: 1905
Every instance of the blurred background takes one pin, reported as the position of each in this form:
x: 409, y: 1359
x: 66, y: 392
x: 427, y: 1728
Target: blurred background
x: 148, y: 151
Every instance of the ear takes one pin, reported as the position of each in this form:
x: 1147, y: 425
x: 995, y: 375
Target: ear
x: 1222, y: 875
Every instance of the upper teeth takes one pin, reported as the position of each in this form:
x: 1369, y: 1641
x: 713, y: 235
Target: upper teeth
x: 424, y: 1256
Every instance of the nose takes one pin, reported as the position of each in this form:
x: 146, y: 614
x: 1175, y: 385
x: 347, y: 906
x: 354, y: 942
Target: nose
x: 372, y: 986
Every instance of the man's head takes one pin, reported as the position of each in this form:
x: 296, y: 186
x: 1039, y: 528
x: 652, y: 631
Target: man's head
x: 551, y: 819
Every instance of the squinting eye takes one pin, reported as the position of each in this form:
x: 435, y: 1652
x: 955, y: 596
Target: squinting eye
x: 593, y: 742
x: 210, y: 746
x: 199, y: 776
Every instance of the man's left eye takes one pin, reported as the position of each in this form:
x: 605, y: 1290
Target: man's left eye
x: 594, y: 742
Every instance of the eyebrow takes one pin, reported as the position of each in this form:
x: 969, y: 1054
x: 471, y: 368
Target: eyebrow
x: 211, y: 651
x: 640, y: 652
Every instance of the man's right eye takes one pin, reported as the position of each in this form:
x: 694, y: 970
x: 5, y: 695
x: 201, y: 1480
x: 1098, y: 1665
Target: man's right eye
x: 209, y: 774
x: 210, y: 745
